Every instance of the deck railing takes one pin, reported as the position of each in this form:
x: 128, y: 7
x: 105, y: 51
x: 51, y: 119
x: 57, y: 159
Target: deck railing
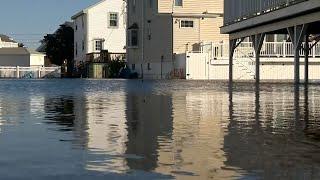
x: 238, y: 10
x: 269, y: 49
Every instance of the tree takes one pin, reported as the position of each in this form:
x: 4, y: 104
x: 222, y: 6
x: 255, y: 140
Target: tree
x: 59, y: 47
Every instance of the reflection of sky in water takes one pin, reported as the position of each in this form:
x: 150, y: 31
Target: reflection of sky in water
x: 128, y: 129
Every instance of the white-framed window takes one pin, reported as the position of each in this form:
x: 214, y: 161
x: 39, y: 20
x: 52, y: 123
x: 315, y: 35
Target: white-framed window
x: 133, y: 38
x: 186, y: 24
x: 113, y: 19
x: 178, y: 2
x: 98, y: 45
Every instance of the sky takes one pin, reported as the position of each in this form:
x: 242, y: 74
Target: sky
x: 27, y: 21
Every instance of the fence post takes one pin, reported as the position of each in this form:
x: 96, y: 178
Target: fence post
x: 17, y: 72
x: 284, y: 49
x: 39, y: 72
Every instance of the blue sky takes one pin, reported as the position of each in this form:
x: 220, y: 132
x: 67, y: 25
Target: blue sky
x: 28, y: 20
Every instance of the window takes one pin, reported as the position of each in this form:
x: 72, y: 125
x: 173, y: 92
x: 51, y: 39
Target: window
x: 82, y: 19
x: 76, y: 49
x: 133, y: 67
x: 186, y: 24
x: 76, y: 26
x: 149, y: 66
x: 113, y: 19
x: 178, y: 2
x: 98, y: 45
x: 133, y: 38
x: 82, y: 45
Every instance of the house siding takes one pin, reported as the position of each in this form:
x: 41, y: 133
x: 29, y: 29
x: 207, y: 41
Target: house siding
x: 191, y: 6
x: 96, y: 20
x: 158, y: 55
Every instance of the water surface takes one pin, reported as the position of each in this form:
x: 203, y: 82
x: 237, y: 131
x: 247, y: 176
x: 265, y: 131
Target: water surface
x: 98, y: 129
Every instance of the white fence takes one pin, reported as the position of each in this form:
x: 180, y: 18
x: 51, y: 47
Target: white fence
x: 238, y: 10
x: 245, y: 49
x: 30, y: 72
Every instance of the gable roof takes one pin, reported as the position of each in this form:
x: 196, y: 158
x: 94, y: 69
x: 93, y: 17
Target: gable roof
x: 5, y: 38
x: 84, y: 11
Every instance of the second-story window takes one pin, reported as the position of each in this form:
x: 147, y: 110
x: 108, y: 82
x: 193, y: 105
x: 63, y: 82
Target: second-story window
x: 113, y: 20
x: 186, y: 24
x: 178, y: 2
x: 98, y: 45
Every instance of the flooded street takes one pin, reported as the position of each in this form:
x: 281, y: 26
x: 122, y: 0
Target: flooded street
x: 92, y: 129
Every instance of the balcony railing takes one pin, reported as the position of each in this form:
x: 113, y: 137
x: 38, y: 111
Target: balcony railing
x: 269, y: 50
x: 239, y: 10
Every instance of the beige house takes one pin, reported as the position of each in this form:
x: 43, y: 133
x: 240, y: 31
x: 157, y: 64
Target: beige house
x: 161, y: 32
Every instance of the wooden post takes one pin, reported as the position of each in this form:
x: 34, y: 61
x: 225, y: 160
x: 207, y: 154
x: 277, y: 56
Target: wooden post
x: 306, y: 66
x: 257, y: 41
x: 232, y: 47
x: 297, y: 33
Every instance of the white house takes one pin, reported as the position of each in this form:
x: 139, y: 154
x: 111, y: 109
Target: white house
x: 101, y: 26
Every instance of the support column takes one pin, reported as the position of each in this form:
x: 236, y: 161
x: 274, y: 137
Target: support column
x: 232, y: 47
x: 257, y: 41
x: 297, y: 33
x: 306, y: 65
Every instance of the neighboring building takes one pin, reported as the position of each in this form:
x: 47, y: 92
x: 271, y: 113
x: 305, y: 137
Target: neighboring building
x: 20, y: 56
x: 160, y: 31
x: 99, y: 27
x: 298, y: 19
x: 7, y: 42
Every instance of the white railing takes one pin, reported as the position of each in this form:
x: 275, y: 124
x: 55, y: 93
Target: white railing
x: 29, y: 72
x: 245, y: 49
x: 238, y: 10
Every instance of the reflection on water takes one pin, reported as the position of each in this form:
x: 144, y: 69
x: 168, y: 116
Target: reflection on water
x: 158, y: 130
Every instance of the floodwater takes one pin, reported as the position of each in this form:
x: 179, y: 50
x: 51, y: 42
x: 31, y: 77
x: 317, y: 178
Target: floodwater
x: 118, y: 129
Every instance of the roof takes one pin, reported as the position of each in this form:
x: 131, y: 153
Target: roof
x: 84, y: 11
x: 14, y: 51
x: 19, y: 51
x: 6, y: 38
x: 32, y: 51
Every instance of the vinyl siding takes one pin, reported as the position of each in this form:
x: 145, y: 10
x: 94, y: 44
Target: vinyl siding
x: 191, y: 6
x: 204, y: 30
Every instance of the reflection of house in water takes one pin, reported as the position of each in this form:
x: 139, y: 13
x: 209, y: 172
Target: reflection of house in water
x: 149, y: 120
x: 273, y: 142
x: 106, y: 131
x: 98, y: 124
x: 197, y: 137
